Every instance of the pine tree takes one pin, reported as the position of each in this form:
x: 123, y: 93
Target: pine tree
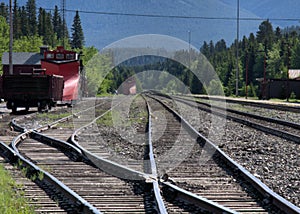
x: 205, y: 49
x: 23, y: 21
x: 4, y: 38
x: 17, y: 21
x: 49, y: 36
x: 295, y: 57
x: 77, y: 33
x: 220, y: 46
x: 41, y: 22
x: 45, y: 28
x: 65, y: 31
x: 265, y: 35
x: 31, y: 15
x: 4, y: 11
x: 57, y: 23
x: 278, y: 34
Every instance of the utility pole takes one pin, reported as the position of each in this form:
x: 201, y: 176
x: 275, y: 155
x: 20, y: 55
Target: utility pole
x: 237, y: 49
x: 287, y: 75
x: 247, y: 67
x: 63, y: 2
x: 189, y: 49
x: 10, y: 39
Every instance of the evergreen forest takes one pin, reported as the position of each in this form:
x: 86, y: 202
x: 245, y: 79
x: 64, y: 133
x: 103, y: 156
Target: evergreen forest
x: 34, y: 27
x: 268, y: 53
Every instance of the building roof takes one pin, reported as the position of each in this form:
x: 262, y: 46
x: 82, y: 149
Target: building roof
x: 294, y: 73
x: 22, y: 58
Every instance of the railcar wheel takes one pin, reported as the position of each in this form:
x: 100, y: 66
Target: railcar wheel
x: 14, y: 109
x: 47, y: 108
x: 40, y: 109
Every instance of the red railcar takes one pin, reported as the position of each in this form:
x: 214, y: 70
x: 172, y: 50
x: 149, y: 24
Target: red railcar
x: 64, y: 63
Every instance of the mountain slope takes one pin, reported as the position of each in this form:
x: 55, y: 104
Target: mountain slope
x: 213, y: 19
x: 217, y: 20
x: 278, y: 9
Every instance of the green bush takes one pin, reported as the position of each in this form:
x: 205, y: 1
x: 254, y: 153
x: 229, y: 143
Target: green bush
x: 12, y: 198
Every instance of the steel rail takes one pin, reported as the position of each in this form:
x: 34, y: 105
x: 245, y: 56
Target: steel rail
x: 64, y: 119
x: 158, y: 198
x: 268, y: 119
x: 16, y: 126
x: 114, y: 168
x: 275, y: 199
x: 190, y: 197
x: 279, y: 133
x: 101, y: 163
x: 279, y: 106
x: 19, y: 128
x: 73, y: 198
x: 196, y: 199
x: 105, y: 165
x: 70, y: 150
x: 108, y: 166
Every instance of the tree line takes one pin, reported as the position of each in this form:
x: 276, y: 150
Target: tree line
x: 267, y: 53
x: 270, y: 52
x: 169, y: 75
x: 28, y: 21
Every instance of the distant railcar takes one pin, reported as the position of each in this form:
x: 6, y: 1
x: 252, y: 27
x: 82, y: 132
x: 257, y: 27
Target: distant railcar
x: 129, y: 86
x: 279, y: 88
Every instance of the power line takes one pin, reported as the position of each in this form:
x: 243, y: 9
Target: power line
x: 179, y: 17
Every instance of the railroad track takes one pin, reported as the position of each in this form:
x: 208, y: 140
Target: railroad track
x: 105, y: 192
x: 188, y: 169
x: 272, y: 159
x: 277, y: 127
x: 36, y: 196
x: 101, y: 136
x: 211, y: 179
x: 71, y: 201
x: 268, y: 105
x: 92, y: 186
x: 144, y: 191
x: 39, y: 194
x: 138, y: 155
x: 6, y: 132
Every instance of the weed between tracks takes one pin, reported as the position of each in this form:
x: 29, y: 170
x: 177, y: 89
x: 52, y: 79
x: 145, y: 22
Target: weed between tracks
x: 12, y: 198
x: 107, y: 120
x: 53, y: 116
x: 114, y: 124
x: 26, y: 172
x: 136, y: 115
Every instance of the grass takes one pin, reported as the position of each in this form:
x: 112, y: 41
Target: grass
x: 12, y: 198
x: 138, y: 116
x: 291, y: 100
x: 105, y: 95
x: 107, y: 119
x: 53, y: 116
